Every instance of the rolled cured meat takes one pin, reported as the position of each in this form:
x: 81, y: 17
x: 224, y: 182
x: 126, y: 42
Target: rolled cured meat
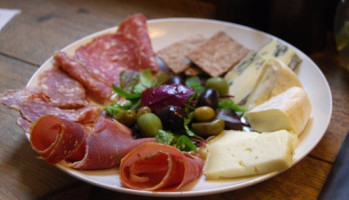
x: 158, y: 167
x: 82, y: 147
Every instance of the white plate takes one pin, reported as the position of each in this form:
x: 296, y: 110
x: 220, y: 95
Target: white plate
x: 164, y: 32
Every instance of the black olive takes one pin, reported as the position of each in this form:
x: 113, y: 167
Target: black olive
x: 231, y: 118
x: 175, y: 79
x: 172, y: 117
x: 209, y: 97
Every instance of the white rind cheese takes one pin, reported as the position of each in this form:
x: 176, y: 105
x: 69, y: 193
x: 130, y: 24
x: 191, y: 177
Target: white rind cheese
x: 275, y: 79
x: 235, y: 154
x: 289, y: 110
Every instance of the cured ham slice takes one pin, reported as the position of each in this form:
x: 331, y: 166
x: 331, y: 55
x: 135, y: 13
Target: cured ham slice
x: 99, y: 147
x: 107, y: 144
x: 158, y: 167
x: 56, y: 139
x: 63, y: 91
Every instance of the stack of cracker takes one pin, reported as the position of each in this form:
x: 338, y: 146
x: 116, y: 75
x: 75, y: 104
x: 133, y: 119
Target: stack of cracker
x: 215, y: 55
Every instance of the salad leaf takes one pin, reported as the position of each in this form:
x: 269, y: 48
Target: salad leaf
x: 164, y: 137
x: 145, y: 81
x: 185, y: 144
x: 187, y: 122
x: 128, y: 80
x: 194, y: 83
x: 125, y: 94
x: 225, y: 103
x: 115, y: 109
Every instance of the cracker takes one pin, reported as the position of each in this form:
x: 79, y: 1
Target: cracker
x: 175, y: 55
x: 218, y: 54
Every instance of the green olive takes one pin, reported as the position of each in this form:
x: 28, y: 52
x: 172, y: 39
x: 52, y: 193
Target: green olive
x: 149, y: 124
x: 218, y: 83
x: 143, y: 110
x: 208, y: 128
x: 127, y: 117
x: 204, y: 113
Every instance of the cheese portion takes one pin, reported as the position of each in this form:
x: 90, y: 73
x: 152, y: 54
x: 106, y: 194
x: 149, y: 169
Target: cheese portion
x: 275, y: 79
x: 236, y: 154
x: 289, y: 110
x: 276, y: 49
x: 243, y: 78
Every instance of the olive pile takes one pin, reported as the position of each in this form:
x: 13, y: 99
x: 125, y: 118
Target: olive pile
x: 205, y: 115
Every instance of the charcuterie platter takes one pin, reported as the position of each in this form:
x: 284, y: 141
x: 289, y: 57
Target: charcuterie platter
x: 163, y: 33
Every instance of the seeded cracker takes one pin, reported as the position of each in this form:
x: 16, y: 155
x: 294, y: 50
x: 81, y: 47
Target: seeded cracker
x: 218, y: 54
x: 175, y: 55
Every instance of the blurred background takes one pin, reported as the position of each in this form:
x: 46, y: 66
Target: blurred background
x: 307, y: 24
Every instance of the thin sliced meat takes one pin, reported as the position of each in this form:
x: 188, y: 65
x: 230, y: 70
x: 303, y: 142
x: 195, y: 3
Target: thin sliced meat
x: 108, y: 55
x: 135, y: 28
x: 56, y: 139
x: 100, y: 147
x: 13, y: 98
x: 33, y: 110
x: 98, y: 89
x: 158, y: 167
x: 63, y: 91
x: 107, y: 144
x: 24, y: 124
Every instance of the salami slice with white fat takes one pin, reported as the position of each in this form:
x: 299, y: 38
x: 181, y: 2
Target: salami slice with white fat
x: 33, y: 110
x: 98, y: 64
x: 63, y: 91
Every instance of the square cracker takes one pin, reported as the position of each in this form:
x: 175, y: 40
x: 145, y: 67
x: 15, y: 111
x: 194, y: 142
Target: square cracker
x: 218, y: 54
x: 175, y: 55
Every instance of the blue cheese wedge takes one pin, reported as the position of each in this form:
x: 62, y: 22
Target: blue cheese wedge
x: 243, y: 78
x: 234, y: 154
x: 289, y: 110
x: 275, y: 78
x: 276, y: 49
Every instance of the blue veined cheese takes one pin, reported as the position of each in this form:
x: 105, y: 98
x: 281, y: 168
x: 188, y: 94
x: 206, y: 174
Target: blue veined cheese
x: 243, y: 77
x: 234, y: 154
x: 289, y: 110
x: 275, y: 79
x: 276, y: 49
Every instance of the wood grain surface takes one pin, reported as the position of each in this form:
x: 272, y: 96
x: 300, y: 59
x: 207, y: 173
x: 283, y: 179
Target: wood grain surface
x: 46, y: 26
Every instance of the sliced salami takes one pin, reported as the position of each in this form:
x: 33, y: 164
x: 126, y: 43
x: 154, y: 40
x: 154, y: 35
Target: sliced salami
x: 107, y: 56
x: 33, y: 110
x: 13, y: 98
x: 63, y: 91
x: 97, y: 88
x: 135, y: 28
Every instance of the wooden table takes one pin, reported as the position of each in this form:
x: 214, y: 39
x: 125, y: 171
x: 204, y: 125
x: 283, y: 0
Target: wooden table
x: 46, y: 26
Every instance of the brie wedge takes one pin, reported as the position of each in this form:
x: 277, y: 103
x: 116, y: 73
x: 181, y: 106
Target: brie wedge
x: 289, y: 110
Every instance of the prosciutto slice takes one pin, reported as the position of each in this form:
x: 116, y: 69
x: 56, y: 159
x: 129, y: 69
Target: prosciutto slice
x: 158, y: 167
x: 83, y: 147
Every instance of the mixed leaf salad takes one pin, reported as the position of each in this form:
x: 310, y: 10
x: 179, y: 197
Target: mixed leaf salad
x: 176, y: 110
